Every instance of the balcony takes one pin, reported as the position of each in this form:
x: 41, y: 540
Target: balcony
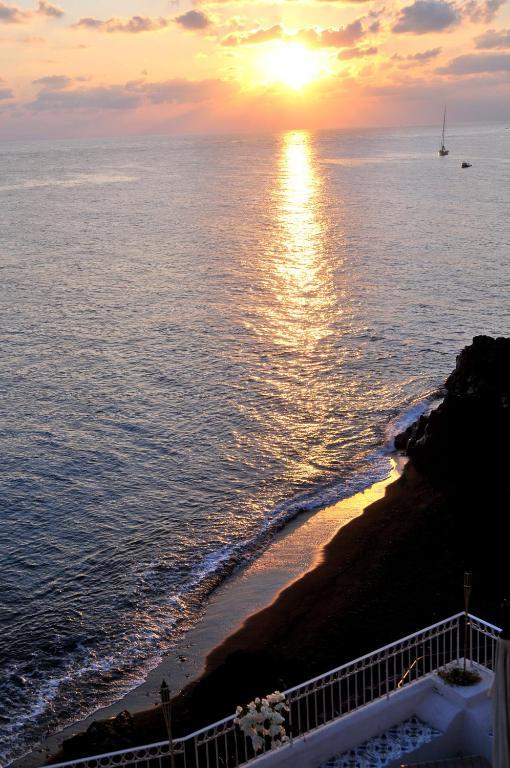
x: 384, y: 709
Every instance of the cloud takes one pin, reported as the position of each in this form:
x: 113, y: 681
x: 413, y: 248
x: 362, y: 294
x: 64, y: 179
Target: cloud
x: 128, y: 96
x: 417, y: 58
x: 31, y: 41
x: 11, y: 14
x: 47, y: 9
x: 476, y: 63
x: 427, y: 16
x: 343, y: 36
x: 432, y: 53
x: 91, y: 23
x: 493, y: 38
x: 112, y: 97
x: 181, y: 91
x: 54, y: 82
x: 193, y: 20
x: 137, y: 24
x: 261, y: 35
x: 344, y: 1
x: 424, y: 16
x: 230, y: 41
x: 482, y: 12
x: 357, y: 53
x: 134, y: 25
x: 5, y: 93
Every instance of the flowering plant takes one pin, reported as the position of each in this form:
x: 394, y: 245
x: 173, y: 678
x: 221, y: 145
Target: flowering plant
x: 263, y: 718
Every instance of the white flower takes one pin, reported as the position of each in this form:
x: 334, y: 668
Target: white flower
x: 261, y: 719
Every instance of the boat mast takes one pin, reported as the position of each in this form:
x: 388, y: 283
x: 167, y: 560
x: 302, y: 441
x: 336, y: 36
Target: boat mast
x: 444, y: 122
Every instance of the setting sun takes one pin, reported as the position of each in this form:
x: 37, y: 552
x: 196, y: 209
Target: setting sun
x: 290, y: 64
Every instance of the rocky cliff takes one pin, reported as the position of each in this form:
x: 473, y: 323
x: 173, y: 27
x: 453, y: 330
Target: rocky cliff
x: 464, y: 443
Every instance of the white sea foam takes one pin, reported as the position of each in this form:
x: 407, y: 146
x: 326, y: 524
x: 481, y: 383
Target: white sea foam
x: 412, y: 413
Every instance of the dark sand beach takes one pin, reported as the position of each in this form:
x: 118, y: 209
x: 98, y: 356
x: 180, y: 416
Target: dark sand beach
x: 396, y: 568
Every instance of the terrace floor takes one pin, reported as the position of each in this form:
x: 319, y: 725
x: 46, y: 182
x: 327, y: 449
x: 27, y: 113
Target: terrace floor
x: 475, y: 761
x: 426, y: 723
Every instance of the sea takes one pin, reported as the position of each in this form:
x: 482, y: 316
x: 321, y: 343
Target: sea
x: 201, y: 337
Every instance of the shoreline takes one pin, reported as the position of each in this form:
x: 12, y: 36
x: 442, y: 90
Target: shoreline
x: 380, y: 577
x: 295, y: 551
x: 314, y: 623
x: 396, y: 565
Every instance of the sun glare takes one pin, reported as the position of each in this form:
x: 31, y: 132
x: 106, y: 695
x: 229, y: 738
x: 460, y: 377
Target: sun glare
x: 290, y: 64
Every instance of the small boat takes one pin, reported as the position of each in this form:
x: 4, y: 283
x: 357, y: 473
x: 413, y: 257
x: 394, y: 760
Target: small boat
x: 443, y: 151
x: 465, y: 165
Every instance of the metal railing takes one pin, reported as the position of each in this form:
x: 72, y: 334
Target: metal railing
x: 482, y: 640
x: 323, y: 699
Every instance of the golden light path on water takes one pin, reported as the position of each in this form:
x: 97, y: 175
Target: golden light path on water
x: 297, y: 313
x: 303, y: 286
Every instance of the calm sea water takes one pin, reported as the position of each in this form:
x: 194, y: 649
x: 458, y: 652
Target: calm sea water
x: 201, y: 336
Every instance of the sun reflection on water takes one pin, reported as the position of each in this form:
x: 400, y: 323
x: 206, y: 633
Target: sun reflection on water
x: 294, y: 314
x: 303, y: 284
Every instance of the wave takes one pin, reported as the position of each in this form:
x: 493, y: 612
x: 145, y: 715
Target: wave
x: 147, y: 648
x: 416, y: 408
x: 376, y: 466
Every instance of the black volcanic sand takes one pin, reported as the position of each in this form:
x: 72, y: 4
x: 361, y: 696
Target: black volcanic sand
x: 391, y: 571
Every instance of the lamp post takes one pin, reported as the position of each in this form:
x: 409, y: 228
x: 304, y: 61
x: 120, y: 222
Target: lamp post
x: 166, y: 705
x: 467, y: 597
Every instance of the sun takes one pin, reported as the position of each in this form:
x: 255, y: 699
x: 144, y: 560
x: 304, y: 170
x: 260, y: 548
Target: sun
x: 291, y: 64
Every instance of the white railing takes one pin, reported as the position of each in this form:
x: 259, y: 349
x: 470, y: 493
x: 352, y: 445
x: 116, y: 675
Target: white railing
x: 482, y: 642
x: 322, y: 699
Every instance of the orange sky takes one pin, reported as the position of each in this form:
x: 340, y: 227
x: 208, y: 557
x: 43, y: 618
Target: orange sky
x: 105, y: 67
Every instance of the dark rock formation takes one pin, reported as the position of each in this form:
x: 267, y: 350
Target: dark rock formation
x: 465, y: 441
x: 102, y: 736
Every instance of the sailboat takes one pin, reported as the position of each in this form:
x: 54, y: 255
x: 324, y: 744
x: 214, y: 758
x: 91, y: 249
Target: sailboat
x: 443, y: 151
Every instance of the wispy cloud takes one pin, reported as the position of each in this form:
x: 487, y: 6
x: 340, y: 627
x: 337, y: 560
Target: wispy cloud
x: 344, y: 1
x: 493, y: 38
x: 276, y: 32
x: 182, y: 91
x: 412, y: 59
x: 5, y: 93
x: 340, y: 37
x: 476, y: 63
x: 357, y: 53
x: 57, y: 96
x: 482, y: 12
x: 111, y: 97
x: 54, y: 81
x: 48, y: 9
x: 12, y: 14
x: 343, y: 36
x: 134, y: 25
